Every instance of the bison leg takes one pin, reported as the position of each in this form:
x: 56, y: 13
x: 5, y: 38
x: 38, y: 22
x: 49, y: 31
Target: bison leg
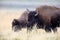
x: 39, y: 26
x: 48, y: 27
x: 54, y: 29
x: 29, y: 28
x: 54, y: 25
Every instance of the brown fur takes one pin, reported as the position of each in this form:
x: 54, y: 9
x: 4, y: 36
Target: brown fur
x: 46, y: 12
x: 24, y: 18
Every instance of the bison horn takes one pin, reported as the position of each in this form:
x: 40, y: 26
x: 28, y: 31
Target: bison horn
x: 27, y: 10
x: 36, y: 14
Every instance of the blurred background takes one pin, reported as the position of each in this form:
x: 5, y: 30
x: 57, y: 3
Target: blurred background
x: 22, y: 4
x: 12, y: 9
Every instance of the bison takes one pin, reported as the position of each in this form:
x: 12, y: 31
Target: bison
x: 45, y: 17
x: 21, y: 22
x: 46, y: 12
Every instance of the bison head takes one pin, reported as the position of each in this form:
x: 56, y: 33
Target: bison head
x: 16, y: 25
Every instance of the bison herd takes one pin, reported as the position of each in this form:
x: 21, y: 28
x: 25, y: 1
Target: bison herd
x: 46, y: 17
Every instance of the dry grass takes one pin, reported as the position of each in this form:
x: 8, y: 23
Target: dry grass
x: 6, y: 33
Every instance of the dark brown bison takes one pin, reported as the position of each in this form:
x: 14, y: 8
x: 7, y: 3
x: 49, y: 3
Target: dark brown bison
x: 46, y: 12
x: 45, y: 17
